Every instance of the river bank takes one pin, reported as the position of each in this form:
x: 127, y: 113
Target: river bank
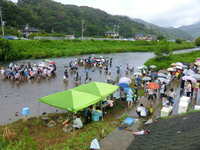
x: 38, y: 49
x: 26, y: 94
x: 188, y: 57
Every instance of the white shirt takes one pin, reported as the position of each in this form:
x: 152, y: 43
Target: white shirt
x: 189, y: 87
x: 142, y: 111
x: 165, y: 102
x: 162, y: 88
x: 150, y: 91
x: 172, y: 94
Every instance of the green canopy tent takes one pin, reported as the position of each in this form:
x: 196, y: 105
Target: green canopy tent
x: 80, y: 97
x: 97, y: 88
x: 70, y: 100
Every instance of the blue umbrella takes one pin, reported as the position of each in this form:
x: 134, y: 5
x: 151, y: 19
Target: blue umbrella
x: 86, y: 71
x: 123, y: 85
x: 153, y: 75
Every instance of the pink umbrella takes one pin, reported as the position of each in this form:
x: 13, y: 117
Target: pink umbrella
x: 189, y: 78
x: 52, y: 62
x: 179, y: 64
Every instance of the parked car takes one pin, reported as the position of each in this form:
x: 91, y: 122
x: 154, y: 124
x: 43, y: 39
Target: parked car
x: 8, y: 37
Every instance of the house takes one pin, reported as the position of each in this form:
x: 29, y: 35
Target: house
x: 139, y: 36
x: 25, y: 30
x: 28, y: 31
x: 112, y: 33
x: 151, y: 37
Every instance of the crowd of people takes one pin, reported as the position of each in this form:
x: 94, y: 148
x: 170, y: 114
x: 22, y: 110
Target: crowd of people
x: 91, y: 62
x: 163, y: 92
x: 28, y: 71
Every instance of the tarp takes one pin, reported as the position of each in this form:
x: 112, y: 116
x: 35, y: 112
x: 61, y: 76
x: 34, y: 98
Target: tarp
x: 80, y: 97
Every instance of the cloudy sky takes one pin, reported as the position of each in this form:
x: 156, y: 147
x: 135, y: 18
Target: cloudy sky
x: 163, y: 13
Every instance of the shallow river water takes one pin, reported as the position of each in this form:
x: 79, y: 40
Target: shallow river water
x: 14, y: 97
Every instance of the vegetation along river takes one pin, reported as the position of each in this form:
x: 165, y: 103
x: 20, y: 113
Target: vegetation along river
x: 14, y: 97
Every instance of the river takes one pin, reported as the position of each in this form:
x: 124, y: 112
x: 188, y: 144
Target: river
x: 14, y: 97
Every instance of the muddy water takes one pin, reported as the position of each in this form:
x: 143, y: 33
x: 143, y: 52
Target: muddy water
x: 14, y: 97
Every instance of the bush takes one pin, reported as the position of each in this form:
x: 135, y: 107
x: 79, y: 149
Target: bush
x: 178, y: 41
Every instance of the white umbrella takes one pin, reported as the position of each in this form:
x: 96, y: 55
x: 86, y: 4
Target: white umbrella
x: 179, y: 64
x: 189, y: 78
x: 170, y: 69
x: 179, y: 67
x: 152, y: 66
x: 197, y: 63
x: 41, y: 64
x: 142, y: 67
x: 163, y: 80
x: 139, y: 67
x: 137, y: 74
x: 196, y: 76
x: 146, y: 78
x: 163, y: 71
x: 125, y: 80
x: 162, y: 75
x: 188, y: 72
x: 173, y: 64
x: 184, y: 66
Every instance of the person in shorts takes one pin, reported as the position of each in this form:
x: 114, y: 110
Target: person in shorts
x: 122, y: 96
x: 150, y: 95
x: 171, y: 96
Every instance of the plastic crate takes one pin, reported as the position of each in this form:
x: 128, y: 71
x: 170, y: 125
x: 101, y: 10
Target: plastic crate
x: 129, y: 121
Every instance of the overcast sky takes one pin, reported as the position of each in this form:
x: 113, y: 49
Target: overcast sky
x: 164, y: 13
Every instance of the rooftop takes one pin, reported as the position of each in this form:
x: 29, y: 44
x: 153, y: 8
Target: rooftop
x: 175, y: 133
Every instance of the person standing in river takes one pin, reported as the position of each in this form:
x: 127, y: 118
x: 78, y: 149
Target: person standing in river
x: 76, y: 76
x: 86, y: 76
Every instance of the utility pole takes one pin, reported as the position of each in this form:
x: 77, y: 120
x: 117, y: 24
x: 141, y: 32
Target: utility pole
x: 114, y: 30
x: 2, y: 23
x: 118, y: 28
x: 82, y: 21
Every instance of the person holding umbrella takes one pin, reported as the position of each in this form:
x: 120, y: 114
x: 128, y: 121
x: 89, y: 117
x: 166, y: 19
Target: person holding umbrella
x: 188, y: 88
x: 151, y: 87
x: 150, y: 95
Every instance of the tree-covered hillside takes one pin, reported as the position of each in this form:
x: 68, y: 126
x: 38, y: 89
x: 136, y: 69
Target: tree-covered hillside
x: 170, y: 33
x: 193, y: 29
x: 50, y: 16
x: 53, y: 17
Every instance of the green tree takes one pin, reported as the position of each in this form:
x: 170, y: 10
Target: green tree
x: 178, y: 41
x: 161, y: 37
x: 163, y: 49
x: 5, y: 49
x: 197, y: 42
x: 31, y: 36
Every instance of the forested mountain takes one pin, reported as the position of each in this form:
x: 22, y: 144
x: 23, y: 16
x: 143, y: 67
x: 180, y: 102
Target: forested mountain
x: 171, y: 33
x: 49, y: 16
x: 193, y: 29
